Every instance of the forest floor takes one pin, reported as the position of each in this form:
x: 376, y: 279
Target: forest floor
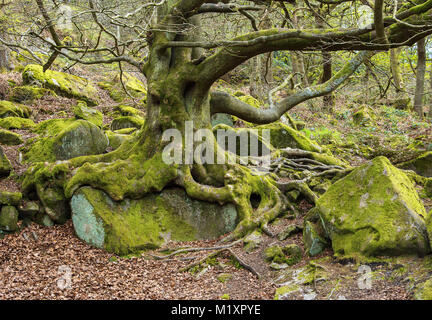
x: 52, y: 263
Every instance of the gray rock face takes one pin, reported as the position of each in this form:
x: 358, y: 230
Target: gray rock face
x: 133, y: 225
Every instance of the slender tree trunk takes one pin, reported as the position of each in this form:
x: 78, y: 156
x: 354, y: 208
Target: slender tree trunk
x: 421, y: 70
x: 328, y: 100
x: 395, y: 69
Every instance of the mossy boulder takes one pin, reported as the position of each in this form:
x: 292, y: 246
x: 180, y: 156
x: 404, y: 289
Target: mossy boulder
x: 135, y: 86
x: 252, y: 241
x: 364, y: 116
x: 12, y: 109
x: 65, y: 139
x: 116, y: 139
x: 16, y: 123
x: 402, y: 103
x: 123, y: 110
x: 314, y: 241
x: 283, y: 136
x: 289, y: 231
x: 374, y: 211
x: 8, y: 219
x: 10, y: 198
x: 82, y: 111
x: 10, y: 138
x: 421, y: 165
x: 64, y: 84
x: 29, y: 93
x: 5, y: 165
x: 127, y: 122
x: 289, y: 255
x: 424, y: 291
x: 132, y: 225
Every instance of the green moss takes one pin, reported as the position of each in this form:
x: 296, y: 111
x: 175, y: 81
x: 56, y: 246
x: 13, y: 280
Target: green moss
x: 284, y: 291
x: 424, y: 292
x: 12, y: 109
x: 94, y: 116
x: 125, y: 227
x: 29, y: 93
x: 127, y: 122
x: 62, y: 83
x: 225, y: 296
x: 364, y: 116
x: 290, y: 254
x: 283, y: 136
x: 5, y: 165
x: 9, y: 218
x: 10, y: 138
x: 63, y: 139
x: 374, y: 211
x: 10, y: 198
x: 116, y: 139
x: 224, y: 277
x: 127, y: 111
x: 16, y: 123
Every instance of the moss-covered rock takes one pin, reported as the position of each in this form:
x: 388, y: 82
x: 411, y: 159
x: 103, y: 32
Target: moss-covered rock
x: 132, y: 225
x: 65, y: 139
x: 424, y: 292
x: 127, y: 122
x: 289, y: 231
x: 10, y: 198
x: 5, y: 165
x: 421, y: 165
x: 364, y: 116
x: 8, y: 218
x: 81, y: 111
x: 289, y: 255
x: 252, y: 241
x: 29, y: 93
x: 224, y: 277
x: 16, y: 123
x: 10, y: 138
x: 123, y: 110
x: 374, y: 211
x: 314, y: 242
x: 116, y: 139
x: 283, y: 136
x: 12, y: 109
x: 62, y: 83
x: 135, y: 86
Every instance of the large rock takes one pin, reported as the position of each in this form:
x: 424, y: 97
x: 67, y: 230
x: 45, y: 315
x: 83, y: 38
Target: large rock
x: 65, y: 139
x: 422, y: 165
x: 133, y: 225
x: 374, y: 211
x: 63, y: 84
x: 127, y: 122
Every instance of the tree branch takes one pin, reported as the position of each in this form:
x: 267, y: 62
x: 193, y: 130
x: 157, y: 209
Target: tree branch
x: 222, y: 102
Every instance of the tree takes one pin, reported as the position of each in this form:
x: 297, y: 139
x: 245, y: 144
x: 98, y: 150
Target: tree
x: 165, y: 43
x: 420, y: 78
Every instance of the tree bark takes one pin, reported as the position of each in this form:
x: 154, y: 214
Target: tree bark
x: 421, y: 70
